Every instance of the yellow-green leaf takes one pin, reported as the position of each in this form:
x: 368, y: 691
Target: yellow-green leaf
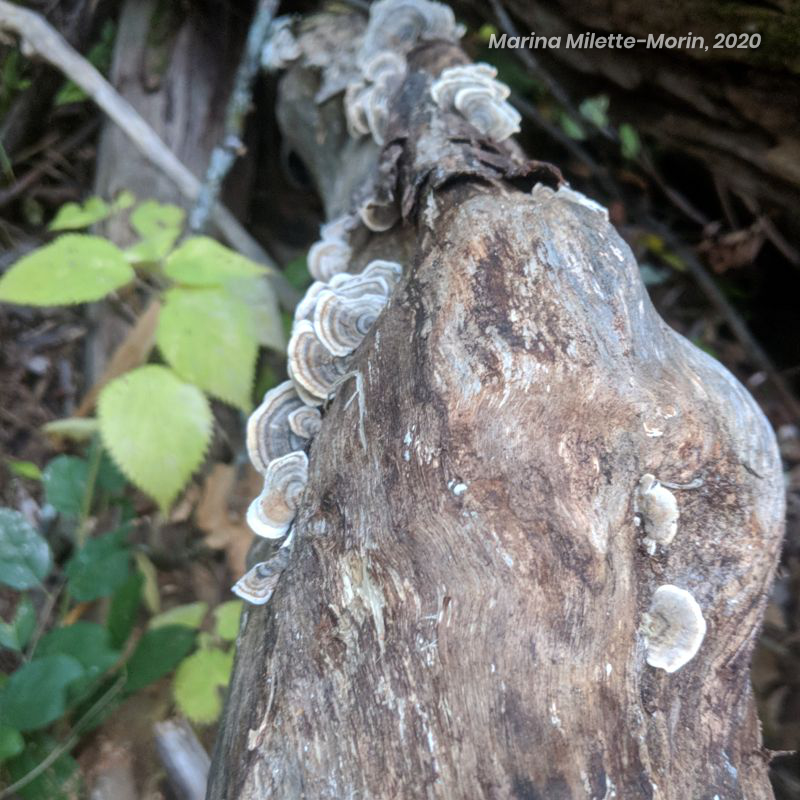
x: 201, y: 261
x: 259, y: 296
x: 72, y: 216
x: 207, y: 337
x: 157, y: 429
x: 78, y: 429
x: 158, y: 225
x: 189, y: 615
x: 75, y: 268
x: 198, y: 684
x: 226, y: 618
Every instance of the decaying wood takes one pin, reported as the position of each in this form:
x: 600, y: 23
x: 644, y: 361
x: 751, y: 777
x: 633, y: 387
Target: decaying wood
x: 462, y: 615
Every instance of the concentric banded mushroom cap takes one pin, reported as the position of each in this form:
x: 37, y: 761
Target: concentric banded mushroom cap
x: 359, y: 285
x: 493, y: 118
x: 305, y: 421
x: 675, y: 628
x: 327, y: 257
x: 306, y: 396
x: 305, y: 308
x: 378, y: 216
x: 342, y: 322
x: 258, y: 583
x: 268, y: 433
x: 312, y: 365
x: 270, y: 515
x: 397, y: 25
x: 471, y: 76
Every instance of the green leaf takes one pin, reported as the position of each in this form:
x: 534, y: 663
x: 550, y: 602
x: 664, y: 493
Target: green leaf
x: 36, y: 693
x: 226, y: 619
x: 629, y: 141
x: 201, y: 261
x: 24, y: 469
x: 75, y: 268
x: 157, y: 429
x: 11, y: 743
x: 109, y: 477
x: 60, y: 781
x: 124, y: 200
x: 571, y: 127
x: 190, y: 615
x: 100, y: 567
x: 75, y: 428
x: 150, y: 591
x: 87, y: 642
x: 159, y: 651
x: 595, y: 109
x: 262, y: 304
x: 72, y: 216
x: 124, y: 609
x: 159, y: 226
x: 198, y: 681
x: 207, y: 336
x: 296, y: 272
x: 14, y: 635
x: 65, y: 480
x: 25, y: 558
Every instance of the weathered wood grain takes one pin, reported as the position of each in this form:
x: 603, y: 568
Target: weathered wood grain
x: 462, y: 614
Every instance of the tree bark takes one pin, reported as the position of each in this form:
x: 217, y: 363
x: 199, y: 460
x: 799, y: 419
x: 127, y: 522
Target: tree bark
x: 463, y: 612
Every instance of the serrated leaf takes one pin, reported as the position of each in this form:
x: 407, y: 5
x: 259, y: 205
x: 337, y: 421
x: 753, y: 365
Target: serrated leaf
x: 158, y: 652
x: 15, y: 634
x: 198, y: 682
x: 60, y: 781
x: 100, y: 567
x: 64, y: 481
x: 259, y: 297
x: 159, y: 226
x: 157, y: 429
x: 36, y: 693
x: 124, y: 609
x: 11, y: 743
x: 189, y: 615
x: 207, y: 336
x: 226, y: 619
x: 202, y: 261
x: 73, y: 216
x: 24, y: 469
x: 25, y: 558
x: 75, y: 268
x: 76, y: 429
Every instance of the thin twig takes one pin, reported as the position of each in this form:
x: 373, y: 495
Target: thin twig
x: 737, y: 325
x: 225, y: 154
x: 39, y: 37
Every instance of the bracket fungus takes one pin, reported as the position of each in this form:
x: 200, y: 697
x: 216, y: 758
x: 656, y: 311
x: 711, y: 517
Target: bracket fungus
x: 473, y: 91
x: 269, y: 434
x: 342, y: 322
x: 659, y: 512
x: 313, y: 367
x: 258, y: 583
x: 305, y: 421
x: 280, y: 48
x: 367, y: 101
x: 398, y: 25
x: 674, y: 628
x: 270, y: 515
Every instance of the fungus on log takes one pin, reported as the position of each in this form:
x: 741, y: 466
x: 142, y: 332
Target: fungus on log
x: 463, y: 605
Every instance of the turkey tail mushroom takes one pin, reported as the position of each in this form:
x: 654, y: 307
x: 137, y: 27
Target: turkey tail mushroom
x: 270, y: 515
x: 269, y: 435
x: 313, y: 367
x: 342, y: 322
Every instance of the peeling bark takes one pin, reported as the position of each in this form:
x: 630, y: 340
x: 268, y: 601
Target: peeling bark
x: 462, y: 615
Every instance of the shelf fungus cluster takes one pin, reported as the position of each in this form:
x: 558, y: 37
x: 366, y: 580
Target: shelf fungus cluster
x: 474, y: 93
x: 341, y: 305
x: 330, y: 322
x: 674, y: 628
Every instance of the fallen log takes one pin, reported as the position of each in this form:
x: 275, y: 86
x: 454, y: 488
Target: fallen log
x: 531, y: 560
